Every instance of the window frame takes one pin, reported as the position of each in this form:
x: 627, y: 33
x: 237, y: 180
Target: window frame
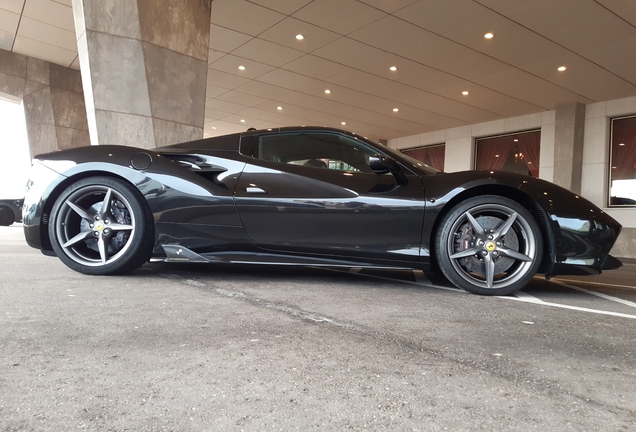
x: 527, y: 131
x: 610, y: 147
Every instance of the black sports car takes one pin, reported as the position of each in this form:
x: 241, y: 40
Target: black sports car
x: 10, y: 211
x: 307, y: 196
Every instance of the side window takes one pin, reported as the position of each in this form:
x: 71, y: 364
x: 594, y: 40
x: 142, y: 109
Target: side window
x: 317, y: 150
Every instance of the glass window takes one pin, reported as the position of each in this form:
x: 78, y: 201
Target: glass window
x: 431, y: 155
x: 317, y: 150
x: 514, y: 152
x: 623, y: 162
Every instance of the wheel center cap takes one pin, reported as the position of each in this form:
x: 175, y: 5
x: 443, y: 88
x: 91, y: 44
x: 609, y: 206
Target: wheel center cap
x: 99, y: 226
x: 491, y: 246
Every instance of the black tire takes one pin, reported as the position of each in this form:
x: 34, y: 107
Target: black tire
x: 489, y: 245
x: 6, y: 216
x: 97, y: 239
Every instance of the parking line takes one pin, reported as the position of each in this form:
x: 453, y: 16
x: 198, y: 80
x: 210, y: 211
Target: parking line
x: 592, y: 283
x: 527, y: 298
x: 598, y: 294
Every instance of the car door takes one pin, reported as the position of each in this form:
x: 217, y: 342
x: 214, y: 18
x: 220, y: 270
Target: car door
x: 314, y: 192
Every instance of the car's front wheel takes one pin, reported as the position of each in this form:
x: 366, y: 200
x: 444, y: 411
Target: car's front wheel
x: 489, y: 245
x: 101, y: 225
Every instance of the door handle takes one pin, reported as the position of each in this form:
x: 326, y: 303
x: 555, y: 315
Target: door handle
x: 255, y: 190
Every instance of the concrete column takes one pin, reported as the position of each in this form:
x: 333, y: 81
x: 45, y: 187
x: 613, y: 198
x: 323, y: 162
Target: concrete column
x: 568, y: 145
x: 53, y: 101
x: 144, y: 65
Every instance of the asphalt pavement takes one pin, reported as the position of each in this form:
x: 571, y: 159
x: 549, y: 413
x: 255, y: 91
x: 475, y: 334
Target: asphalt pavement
x: 231, y: 348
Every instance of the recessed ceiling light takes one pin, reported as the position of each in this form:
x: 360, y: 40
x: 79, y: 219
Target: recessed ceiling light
x: 214, y: 127
x: 561, y: 68
x: 395, y: 110
x: 465, y: 93
x: 327, y: 91
x: 489, y: 35
x: 300, y: 37
x: 496, y: 155
x: 279, y: 108
x: 241, y: 67
x: 242, y: 121
x: 515, y: 140
x: 343, y: 123
x: 393, y: 68
x: 621, y: 144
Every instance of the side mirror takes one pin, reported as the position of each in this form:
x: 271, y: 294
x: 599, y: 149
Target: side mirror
x: 381, y: 164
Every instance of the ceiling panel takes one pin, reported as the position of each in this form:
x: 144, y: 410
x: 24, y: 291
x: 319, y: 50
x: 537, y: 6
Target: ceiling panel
x: 286, y: 7
x: 502, y: 5
x: 9, y: 21
x: 410, y: 73
x: 522, y: 85
x: 224, y: 79
x: 547, y: 15
x: 14, y: 6
x: 315, y: 67
x: 243, y: 17
x: 440, y: 16
x: 475, y: 67
x: 613, y: 58
x: 230, y: 64
x: 389, y: 6
x: 487, y: 99
x: 626, y: 9
x: 267, y: 52
x: 391, y: 34
x: 47, y: 33
x: 37, y: 49
x: 241, y: 98
x: 50, y: 12
x: 340, y: 16
x: 284, y: 33
x: 583, y: 77
x: 436, y: 52
x: 226, y: 40
x: 214, y: 55
x: 349, y: 52
x: 528, y: 51
x: 286, y: 79
x: 602, y: 30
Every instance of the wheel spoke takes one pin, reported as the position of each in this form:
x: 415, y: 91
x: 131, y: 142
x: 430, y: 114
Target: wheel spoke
x: 106, y: 204
x: 490, y: 270
x: 78, y: 238
x: 121, y: 227
x: 465, y: 253
x: 80, y: 211
x: 101, y: 243
x: 514, y: 254
x: 503, y: 230
x: 476, y: 227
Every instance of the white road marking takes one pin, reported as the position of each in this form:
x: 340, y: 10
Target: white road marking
x: 592, y: 283
x: 598, y: 294
x: 526, y: 298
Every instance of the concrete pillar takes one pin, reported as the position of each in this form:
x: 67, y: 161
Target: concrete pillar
x: 568, y: 145
x: 144, y: 65
x: 53, y: 101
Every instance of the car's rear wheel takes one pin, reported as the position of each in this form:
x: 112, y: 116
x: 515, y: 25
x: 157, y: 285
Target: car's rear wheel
x: 6, y: 216
x: 101, y: 225
x: 489, y: 245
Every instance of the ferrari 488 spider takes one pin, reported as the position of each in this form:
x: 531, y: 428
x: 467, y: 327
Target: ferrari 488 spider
x: 307, y: 196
